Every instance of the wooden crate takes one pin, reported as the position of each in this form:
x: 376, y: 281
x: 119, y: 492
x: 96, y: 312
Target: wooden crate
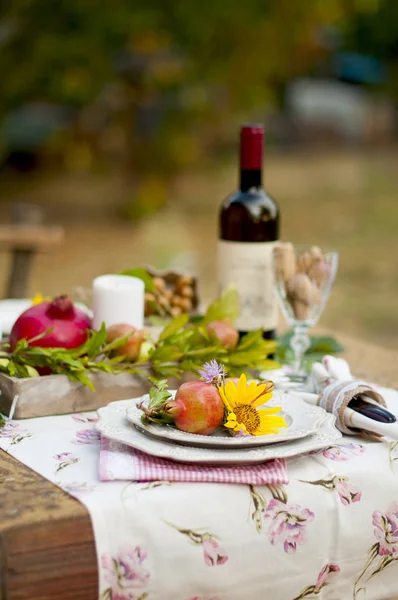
x: 58, y: 395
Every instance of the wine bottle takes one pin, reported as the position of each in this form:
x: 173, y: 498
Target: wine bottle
x: 248, y: 230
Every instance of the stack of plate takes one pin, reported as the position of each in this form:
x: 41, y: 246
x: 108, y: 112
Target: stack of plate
x: 309, y: 428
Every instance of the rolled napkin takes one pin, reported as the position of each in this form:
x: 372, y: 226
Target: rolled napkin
x: 336, y: 387
x: 120, y: 462
x: 337, y: 368
x: 336, y: 397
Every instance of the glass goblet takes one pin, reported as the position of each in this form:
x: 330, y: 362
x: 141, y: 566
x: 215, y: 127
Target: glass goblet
x: 304, y: 276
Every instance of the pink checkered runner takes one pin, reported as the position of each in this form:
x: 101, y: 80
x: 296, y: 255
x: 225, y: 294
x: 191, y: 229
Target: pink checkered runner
x: 119, y: 462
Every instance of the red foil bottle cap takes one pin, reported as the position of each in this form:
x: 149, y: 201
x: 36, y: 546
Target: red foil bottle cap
x: 251, y: 147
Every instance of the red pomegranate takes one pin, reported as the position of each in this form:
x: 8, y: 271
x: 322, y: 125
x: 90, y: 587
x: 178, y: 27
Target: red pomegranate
x: 196, y: 408
x: 68, y: 325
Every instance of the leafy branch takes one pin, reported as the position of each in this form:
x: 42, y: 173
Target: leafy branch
x: 94, y: 355
x: 183, y: 345
x: 157, y: 406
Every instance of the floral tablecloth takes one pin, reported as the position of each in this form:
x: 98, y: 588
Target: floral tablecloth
x: 331, y: 533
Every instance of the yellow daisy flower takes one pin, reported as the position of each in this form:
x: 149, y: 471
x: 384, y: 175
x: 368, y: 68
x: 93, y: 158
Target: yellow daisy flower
x: 242, y: 401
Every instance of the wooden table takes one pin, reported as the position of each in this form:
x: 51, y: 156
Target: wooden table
x: 46, y: 539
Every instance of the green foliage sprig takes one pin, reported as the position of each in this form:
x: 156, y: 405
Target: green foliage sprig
x: 156, y: 411
x: 182, y: 346
x: 185, y: 345
x: 94, y: 355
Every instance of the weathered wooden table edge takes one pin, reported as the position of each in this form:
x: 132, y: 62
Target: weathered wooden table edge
x: 46, y: 539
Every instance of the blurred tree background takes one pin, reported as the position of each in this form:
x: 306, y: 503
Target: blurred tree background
x: 152, y: 86
x: 120, y: 118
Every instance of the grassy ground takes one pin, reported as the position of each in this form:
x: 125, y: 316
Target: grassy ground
x: 343, y: 200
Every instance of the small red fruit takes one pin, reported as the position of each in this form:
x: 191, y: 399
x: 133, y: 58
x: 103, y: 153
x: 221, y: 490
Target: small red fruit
x: 224, y: 332
x: 131, y: 349
x: 197, y: 408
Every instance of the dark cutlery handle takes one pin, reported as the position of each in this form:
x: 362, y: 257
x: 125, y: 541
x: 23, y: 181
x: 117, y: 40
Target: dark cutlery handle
x: 372, y: 411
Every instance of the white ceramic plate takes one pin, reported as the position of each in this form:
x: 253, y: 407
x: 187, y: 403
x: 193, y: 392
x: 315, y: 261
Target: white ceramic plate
x: 300, y: 424
x: 114, y: 425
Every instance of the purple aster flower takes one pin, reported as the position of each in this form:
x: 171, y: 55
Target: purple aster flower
x: 212, y: 372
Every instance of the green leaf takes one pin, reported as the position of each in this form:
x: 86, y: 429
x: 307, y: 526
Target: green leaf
x: 118, y: 343
x: 226, y: 308
x: 143, y: 275
x: 166, y: 354
x: 36, y: 351
x: 21, y: 371
x: 96, y: 340
x: 210, y: 351
x: 325, y: 344
x: 250, y: 358
x: 158, y: 398
x: 167, y: 369
x: 191, y: 365
x: 166, y: 418
x: 255, y: 339
x: 161, y: 384
x: 39, y: 336
x: 107, y: 367
x: 31, y: 371
x: 116, y: 359
x: 270, y: 365
x: 174, y: 326
x: 196, y: 319
x: 158, y: 321
x: 179, y: 339
x: 83, y: 378
x: 12, y: 368
x: 322, y: 344
x: 158, y: 394
x: 21, y: 345
x: 202, y: 331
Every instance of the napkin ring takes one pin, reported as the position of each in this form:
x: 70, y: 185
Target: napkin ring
x: 336, y: 397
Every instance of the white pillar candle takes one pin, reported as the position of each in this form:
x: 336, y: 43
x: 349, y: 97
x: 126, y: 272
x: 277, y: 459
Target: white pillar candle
x: 118, y: 299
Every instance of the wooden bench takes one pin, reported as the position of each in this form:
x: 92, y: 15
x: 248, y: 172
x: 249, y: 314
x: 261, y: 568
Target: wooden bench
x: 24, y: 237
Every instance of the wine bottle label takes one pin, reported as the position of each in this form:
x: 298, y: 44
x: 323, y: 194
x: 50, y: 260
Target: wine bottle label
x: 248, y: 267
